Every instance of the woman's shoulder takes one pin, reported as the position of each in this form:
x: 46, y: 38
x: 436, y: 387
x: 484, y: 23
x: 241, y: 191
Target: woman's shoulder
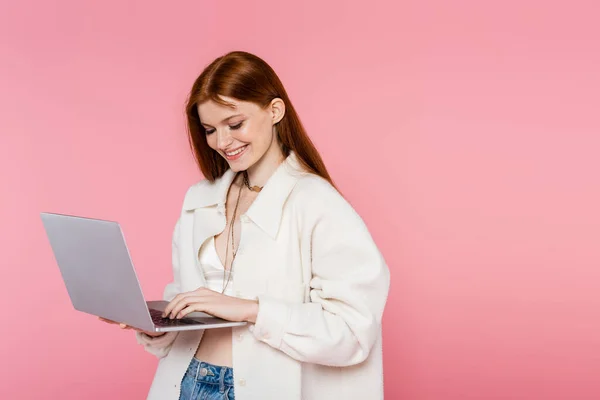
x: 313, y: 193
x: 200, y: 186
x: 317, y: 202
x: 201, y: 193
x: 312, y: 186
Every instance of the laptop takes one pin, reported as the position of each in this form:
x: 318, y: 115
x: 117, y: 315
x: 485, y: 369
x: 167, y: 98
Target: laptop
x: 98, y: 273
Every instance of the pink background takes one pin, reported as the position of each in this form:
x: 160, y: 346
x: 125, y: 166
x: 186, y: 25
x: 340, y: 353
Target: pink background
x: 465, y: 133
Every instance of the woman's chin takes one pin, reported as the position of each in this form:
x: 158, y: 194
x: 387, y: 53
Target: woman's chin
x: 238, y: 166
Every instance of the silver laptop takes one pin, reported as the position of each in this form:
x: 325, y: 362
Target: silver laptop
x: 99, y: 276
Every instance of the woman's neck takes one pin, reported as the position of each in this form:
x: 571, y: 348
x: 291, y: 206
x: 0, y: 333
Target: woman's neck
x: 259, y: 173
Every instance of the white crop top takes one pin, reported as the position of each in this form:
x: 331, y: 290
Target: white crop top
x: 213, y: 268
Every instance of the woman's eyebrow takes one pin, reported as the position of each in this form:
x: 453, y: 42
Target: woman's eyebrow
x: 225, y: 120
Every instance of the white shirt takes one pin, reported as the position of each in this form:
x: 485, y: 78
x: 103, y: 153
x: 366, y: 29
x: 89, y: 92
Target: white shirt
x: 320, y: 281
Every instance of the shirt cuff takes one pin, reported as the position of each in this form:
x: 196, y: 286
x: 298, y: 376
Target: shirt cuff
x: 271, y: 320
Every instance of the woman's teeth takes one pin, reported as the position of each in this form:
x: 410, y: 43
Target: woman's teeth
x: 238, y: 151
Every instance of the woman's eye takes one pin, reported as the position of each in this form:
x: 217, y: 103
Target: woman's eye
x: 234, y: 127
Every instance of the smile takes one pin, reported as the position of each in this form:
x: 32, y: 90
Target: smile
x: 235, y: 154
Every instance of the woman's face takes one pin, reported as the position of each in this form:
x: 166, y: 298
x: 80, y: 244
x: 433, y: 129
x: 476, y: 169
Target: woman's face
x: 243, y: 134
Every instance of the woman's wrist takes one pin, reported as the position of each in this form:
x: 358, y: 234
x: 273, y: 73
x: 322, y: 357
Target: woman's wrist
x: 252, y: 311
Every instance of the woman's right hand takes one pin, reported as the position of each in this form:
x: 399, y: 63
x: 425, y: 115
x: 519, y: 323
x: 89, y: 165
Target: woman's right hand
x: 125, y: 326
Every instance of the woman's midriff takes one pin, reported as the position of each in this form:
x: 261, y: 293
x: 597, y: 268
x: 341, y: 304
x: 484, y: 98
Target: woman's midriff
x: 215, y: 347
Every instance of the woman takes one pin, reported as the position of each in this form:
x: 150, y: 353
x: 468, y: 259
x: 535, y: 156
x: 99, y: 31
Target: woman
x: 267, y: 239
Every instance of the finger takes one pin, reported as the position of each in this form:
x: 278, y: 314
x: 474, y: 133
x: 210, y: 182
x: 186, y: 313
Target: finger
x: 203, y: 297
x: 199, y: 303
x: 176, y: 302
x: 182, y: 302
x: 190, y: 309
x: 173, y: 303
x: 108, y: 321
x: 181, y: 296
x: 185, y: 303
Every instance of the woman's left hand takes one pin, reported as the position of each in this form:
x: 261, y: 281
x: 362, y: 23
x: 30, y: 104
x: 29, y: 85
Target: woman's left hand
x: 213, y: 303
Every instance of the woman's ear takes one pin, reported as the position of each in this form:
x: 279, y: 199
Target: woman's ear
x: 277, y: 110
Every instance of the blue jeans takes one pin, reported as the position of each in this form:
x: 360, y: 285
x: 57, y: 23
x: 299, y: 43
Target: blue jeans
x: 204, y: 381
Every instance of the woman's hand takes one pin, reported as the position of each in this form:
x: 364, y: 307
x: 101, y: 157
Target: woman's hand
x: 213, y: 303
x: 125, y: 326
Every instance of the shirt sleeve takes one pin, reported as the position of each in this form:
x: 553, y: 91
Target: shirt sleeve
x: 348, y: 292
x: 161, y: 345
x: 158, y: 346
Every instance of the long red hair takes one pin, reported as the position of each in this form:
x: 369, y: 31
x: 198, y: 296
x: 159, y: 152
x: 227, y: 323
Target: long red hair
x: 246, y: 77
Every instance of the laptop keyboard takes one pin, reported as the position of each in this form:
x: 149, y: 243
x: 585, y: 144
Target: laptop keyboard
x: 164, y: 322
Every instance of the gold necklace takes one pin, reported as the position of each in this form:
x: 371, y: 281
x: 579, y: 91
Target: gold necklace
x: 247, y: 183
x: 230, y: 234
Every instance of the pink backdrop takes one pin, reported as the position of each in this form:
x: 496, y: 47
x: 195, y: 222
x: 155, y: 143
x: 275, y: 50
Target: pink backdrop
x: 465, y: 133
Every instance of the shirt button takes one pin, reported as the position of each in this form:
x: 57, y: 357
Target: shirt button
x: 240, y: 337
x: 238, y: 293
x: 242, y: 382
x: 244, y: 218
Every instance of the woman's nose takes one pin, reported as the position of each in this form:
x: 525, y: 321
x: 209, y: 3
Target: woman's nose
x: 224, y: 140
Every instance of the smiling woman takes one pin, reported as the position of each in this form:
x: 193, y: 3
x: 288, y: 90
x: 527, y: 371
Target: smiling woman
x: 266, y: 238
x: 244, y: 136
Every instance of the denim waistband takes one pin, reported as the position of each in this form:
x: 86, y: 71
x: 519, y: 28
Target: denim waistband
x: 209, y: 373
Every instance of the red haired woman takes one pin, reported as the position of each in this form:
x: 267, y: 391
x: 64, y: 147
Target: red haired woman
x: 266, y: 238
